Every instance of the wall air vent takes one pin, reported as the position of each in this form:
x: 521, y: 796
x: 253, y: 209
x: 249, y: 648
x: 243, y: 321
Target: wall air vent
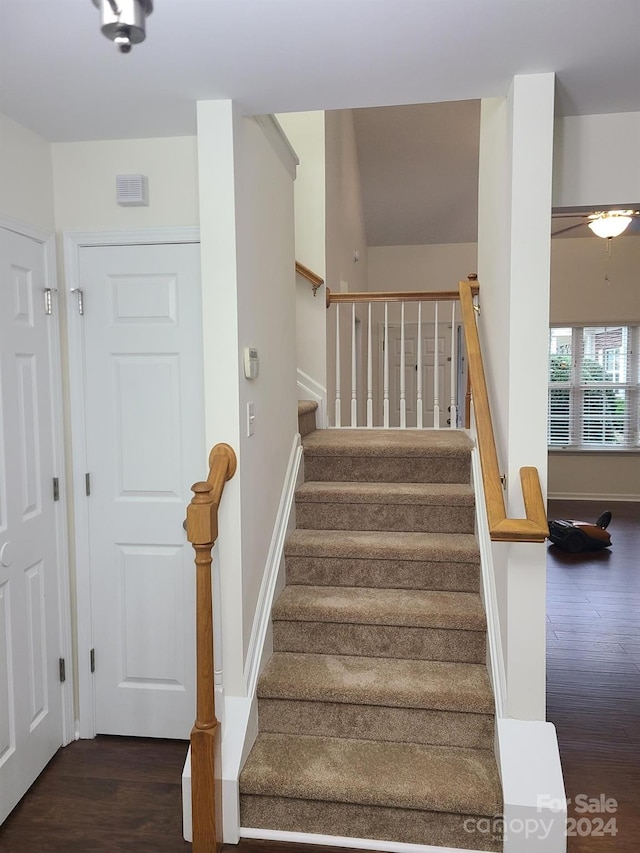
x: 132, y: 190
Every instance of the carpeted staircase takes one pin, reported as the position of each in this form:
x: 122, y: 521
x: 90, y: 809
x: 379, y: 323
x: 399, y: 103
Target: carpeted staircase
x: 376, y: 716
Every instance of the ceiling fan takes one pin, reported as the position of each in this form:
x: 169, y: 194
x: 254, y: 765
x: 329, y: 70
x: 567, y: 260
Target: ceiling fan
x: 606, y: 223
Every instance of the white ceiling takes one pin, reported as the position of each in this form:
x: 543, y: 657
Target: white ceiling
x: 62, y: 78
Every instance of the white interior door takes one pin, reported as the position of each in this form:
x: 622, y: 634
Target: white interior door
x: 144, y: 421
x: 30, y: 639
x: 428, y: 373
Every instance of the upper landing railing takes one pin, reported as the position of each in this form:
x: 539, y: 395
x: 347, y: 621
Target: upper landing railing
x: 407, y: 366
x: 404, y: 364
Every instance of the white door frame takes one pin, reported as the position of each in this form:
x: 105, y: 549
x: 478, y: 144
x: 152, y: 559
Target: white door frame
x: 74, y: 241
x: 47, y: 241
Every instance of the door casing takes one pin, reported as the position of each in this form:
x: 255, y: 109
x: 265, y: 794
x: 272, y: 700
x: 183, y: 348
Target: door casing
x: 73, y: 243
x: 47, y: 240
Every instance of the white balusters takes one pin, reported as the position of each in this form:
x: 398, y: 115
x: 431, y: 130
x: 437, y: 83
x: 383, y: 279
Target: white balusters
x: 369, y: 371
x: 403, y: 391
x: 453, y: 409
x: 436, y: 371
x: 419, y: 370
x: 385, y: 382
x: 379, y: 387
x: 337, y: 410
x: 354, y: 371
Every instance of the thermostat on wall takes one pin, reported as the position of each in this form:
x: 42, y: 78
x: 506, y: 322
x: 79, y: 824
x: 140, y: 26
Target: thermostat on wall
x: 251, y: 362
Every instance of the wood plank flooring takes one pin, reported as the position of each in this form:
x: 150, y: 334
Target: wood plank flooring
x: 123, y: 794
x: 593, y: 674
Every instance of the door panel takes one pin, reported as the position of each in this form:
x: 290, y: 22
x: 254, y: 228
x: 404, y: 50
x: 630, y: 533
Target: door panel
x: 30, y: 691
x: 428, y: 371
x: 145, y: 447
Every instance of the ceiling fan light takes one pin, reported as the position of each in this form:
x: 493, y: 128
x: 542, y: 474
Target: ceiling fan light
x: 610, y: 224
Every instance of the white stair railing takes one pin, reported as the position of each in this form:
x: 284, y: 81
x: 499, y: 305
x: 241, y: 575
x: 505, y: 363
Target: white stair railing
x: 400, y: 350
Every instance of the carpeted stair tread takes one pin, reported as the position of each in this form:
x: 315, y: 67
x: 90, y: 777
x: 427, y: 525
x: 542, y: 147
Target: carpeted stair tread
x: 400, y: 775
x: 385, y: 443
x: 378, y: 681
x: 369, y: 606
x: 305, y: 407
x: 424, y: 494
x: 381, y: 545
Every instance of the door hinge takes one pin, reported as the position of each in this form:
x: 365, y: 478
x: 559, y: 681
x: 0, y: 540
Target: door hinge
x: 80, y: 295
x: 62, y: 669
x: 56, y: 489
x: 87, y: 484
x: 48, y: 301
x: 92, y: 660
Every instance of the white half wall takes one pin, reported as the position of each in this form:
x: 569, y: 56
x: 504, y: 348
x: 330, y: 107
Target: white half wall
x: 26, y: 175
x: 516, y: 146
x: 596, y: 160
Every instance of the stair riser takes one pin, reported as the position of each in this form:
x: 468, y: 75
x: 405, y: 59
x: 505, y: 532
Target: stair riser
x: 383, y: 574
x: 307, y: 423
x: 408, y: 725
x: 411, y: 826
x: 314, y: 515
x: 376, y: 469
x: 379, y: 641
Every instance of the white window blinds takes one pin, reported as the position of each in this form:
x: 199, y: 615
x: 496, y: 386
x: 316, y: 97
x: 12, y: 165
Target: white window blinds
x: 594, y: 399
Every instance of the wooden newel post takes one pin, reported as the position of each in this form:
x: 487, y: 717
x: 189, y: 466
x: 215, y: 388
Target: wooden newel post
x: 202, y: 532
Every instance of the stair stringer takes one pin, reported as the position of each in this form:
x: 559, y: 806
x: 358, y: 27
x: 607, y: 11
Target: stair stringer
x: 240, y: 713
x: 527, y: 753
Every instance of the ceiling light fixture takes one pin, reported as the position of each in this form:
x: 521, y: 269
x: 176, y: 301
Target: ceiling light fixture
x: 610, y: 223
x: 123, y: 21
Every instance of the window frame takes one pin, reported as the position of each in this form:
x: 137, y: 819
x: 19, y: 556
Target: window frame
x: 577, y: 387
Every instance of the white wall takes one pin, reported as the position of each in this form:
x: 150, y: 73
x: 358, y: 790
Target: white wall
x: 345, y: 217
x: 516, y: 138
x: 596, y: 160
x: 26, y: 175
x: 247, y: 246
x: 435, y: 267
x: 306, y: 132
x: 266, y: 320
x: 580, y: 294
x: 85, y: 183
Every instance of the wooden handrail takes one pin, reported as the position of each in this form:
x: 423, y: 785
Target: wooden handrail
x: 310, y: 275
x: 202, y: 532
x: 534, y: 527
x: 398, y: 296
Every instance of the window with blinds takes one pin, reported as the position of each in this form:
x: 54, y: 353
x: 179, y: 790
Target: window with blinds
x: 594, y: 390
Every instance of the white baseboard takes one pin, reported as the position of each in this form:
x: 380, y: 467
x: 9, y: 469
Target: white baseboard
x: 580, y: 496
x: 309, y: 389
x: 241, y: 712
x: 187, y: 827
x: 344, y: 841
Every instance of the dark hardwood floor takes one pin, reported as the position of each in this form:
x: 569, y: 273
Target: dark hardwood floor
x: 593, y: 674
x: 123, y: 794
